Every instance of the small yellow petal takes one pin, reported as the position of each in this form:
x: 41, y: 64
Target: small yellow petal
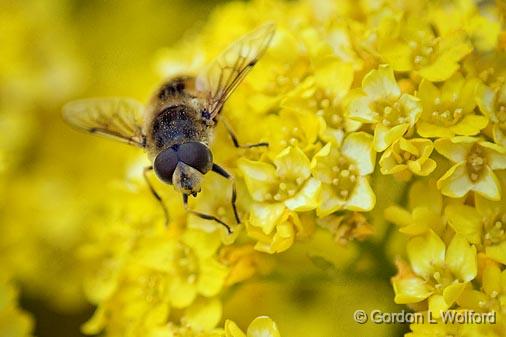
x: 466, y: 221
x: 497, y: 252
x: 410, y: 290
x: 453, y: 292
x: 307, y: 198
x: 491, y: 279
x: 385, y: 136
x: 232, y: 330
x: 455, y: 149
x: 358, y: 146
x: 455, y: 183
x: 488, y: 185
x: 263, y: 326
x: 363, y: 197
x: 425, y: 253
x: 461, y: 259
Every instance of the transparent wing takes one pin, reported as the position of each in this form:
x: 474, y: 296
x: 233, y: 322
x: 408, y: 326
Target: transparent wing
x: 225, y: 73
x: 118, y: 118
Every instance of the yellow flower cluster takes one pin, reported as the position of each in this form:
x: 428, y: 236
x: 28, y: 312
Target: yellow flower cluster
x: 344, y: 83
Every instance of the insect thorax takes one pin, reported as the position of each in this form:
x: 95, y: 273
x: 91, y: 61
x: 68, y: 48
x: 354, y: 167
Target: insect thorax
x: 178, y: 124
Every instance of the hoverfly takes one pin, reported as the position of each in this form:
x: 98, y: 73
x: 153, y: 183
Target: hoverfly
x: 177, y: 125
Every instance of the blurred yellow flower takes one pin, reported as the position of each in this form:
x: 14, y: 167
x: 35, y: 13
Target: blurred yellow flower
x: 194, y: 267
x: 475, y: 162
x: 13, y: 321
x: 411, y: 45
x: 424, y: 213
x: 262, y: 326
x: 381, y: 103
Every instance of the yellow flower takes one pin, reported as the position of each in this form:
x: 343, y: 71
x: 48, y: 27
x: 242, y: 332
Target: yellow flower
x: 407, y: 157
x: 194, y: 268
x: 243, y: 262
x: 449, y: 111
x: 347, y: 227
x: 411, y: 45
x: 425, y: 205
x: 288, y: 182
x: 492, y: 294
x: 296, y: 128
x: 284, y: 64
x: 159, y: 273
x: 382, y: 104
x: 343, y: 173
x: 322, y: 95
x: 278, y: 191
x: 275, y: 228
x: 139, y: 303
x: 438, y: 273
x: 481, y: 24
x: 493, y: 104
x: 262, y: 326
x: 475, y: 162
x: 483, y: 225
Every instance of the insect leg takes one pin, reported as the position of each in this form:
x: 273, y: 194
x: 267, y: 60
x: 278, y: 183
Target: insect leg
x: 155, y: 194
x: 236, y: 142
x: 221, y: 171
x: 203, y: 215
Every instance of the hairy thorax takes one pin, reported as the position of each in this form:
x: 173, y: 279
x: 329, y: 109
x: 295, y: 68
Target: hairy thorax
x: 175, y: 117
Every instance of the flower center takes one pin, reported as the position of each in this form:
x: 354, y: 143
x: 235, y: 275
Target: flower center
x: 285, y: 190
x: 493, y: 302
x: 293, y: 136
x: 495, y: 231
x: 344, y: 177
x: 476, y: 162
x: 422, y: 52
x: 402, y: 157
x: 154, y: 287
x: 186, y: 262
x: 442, y: 278
x: 391, y: 112
x: 446, y: 115
x: 326, y: 108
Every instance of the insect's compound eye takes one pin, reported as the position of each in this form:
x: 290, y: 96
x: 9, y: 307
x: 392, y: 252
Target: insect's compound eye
x: 196, y: 155
x: 165, y: 164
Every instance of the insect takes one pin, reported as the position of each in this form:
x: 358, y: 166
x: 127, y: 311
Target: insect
x: 176, y: 127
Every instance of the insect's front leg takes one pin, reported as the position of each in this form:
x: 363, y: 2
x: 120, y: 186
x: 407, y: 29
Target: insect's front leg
x: 155, y: 194
x: 236, y: 142
x: 203, y: 215
x: 221, y: 171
